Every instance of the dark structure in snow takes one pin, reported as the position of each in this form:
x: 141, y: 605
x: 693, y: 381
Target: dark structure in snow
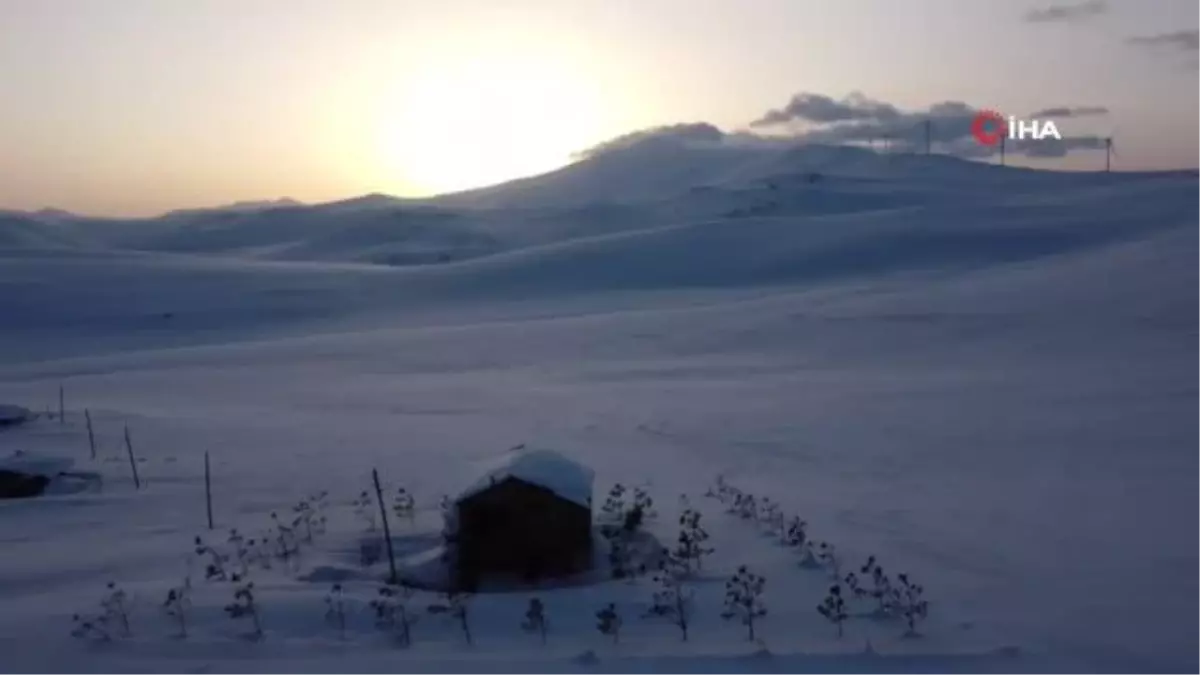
x: 18, y: 485
x: 528, y: 519
x: 12, y: 415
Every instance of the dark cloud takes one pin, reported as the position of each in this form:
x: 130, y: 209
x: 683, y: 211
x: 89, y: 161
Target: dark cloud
x: 1181, y: 40
x: 811, y: 118
x: 1075, y: 12
x: 1072, y: 111
x: 808, y: 107
x: 1174, y: 44
x: 858, y: 119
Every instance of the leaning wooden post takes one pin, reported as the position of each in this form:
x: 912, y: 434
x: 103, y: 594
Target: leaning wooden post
x: 132, y: 464
x: 87, y: 415
x: 62, y: 408
x: 208, y: 489
x: 387, y: 531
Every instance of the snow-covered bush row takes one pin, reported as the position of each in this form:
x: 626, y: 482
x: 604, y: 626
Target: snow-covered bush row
x: 873, y: 592
x: 866, y: 592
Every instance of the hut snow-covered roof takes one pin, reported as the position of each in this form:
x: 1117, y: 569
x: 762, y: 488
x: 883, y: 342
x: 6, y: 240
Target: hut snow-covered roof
x: 549, y: 469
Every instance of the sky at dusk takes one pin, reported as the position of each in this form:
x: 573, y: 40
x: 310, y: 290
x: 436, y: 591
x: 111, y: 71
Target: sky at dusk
x: 134, y: 107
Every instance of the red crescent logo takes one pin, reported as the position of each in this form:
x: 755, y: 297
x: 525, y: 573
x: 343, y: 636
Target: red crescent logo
x: 989, y: 127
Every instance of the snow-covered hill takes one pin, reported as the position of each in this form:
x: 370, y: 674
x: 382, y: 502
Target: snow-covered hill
x: 983, y: 376
x: 650, y: 184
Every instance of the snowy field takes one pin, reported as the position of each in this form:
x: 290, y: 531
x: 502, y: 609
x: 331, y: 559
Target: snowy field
x: 983, y: 377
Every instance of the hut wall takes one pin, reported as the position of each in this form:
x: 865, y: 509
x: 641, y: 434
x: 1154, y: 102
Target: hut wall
x: 519, y: 530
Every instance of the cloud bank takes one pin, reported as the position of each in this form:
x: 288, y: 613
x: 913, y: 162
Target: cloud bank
x: 1182, y: 44
x: 1066, y: 13
x: 820, y: 108
x: 1182, y: 40
x: 860, y: 119
x: 1071, y: 111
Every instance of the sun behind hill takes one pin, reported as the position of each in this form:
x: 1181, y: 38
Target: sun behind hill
x: 459, y: 121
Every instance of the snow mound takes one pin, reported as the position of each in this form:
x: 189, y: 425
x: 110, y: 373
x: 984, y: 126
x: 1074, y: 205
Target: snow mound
x: 545, y: 468
x: 13, y: 414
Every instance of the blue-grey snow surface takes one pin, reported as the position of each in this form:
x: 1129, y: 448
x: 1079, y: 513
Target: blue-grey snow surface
x: 983, y: 376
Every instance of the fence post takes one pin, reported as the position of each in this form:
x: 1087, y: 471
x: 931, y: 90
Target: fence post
x: 387, y: 531
x: 87, y: 414
x: 208, y: 489
x: 137, y: 483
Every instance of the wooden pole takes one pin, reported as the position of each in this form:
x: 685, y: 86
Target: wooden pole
x: 87, y: 414
x: 387, y: 532
x: 132, y: 464
x: 61, y: 406
x: 208, y: 489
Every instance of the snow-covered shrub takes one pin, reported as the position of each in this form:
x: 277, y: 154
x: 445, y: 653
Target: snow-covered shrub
x: 691, y: 549
x: 743, y: 599
x: 241, y: 551
x: 909, y: 601
x: 608, y: 622
x: 770, y: 515
x: 257, y: 551
x: 745, y: 506
x: 852, y: 585
x: 535, y: 618
x: 177, y: 604
x: 621, y: 523
x: 734, y: 504
x: 632, y: 522
x: 404, y: 505
x: 304, y: 519
x: 319, y: 501
x: 827, y: 556
x: 112, y: 621
x: 214, y: 568
x: 391, y: 612
x: 116, y: 605
x: 244, y: 606
x: 672, y: 598
x: 796, y: 533
x: 335, y: 609
x: 833, y: 608
x: 730, y: 497
x: 880, y: 589
x: 808, y: 556
x: 718, y: 490
x: 365, y: 510
x: 643, y: 503
x: 456, y: 605
x: 91, y: 627
x: 613, y: 509
x: 287, y: 546
x: 619, y: 553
